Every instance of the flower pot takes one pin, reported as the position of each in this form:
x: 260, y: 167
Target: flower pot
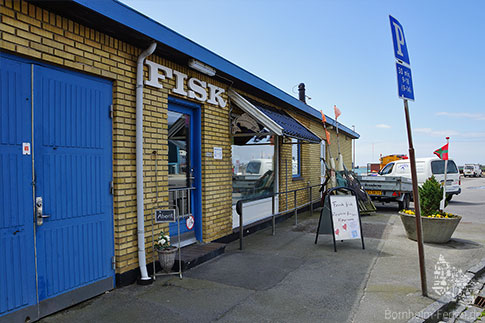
x: 166, y: 257
x: 435, y: 230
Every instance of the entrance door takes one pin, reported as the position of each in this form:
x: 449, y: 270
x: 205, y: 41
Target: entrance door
x: 57, y: 236
x: 184, y: 170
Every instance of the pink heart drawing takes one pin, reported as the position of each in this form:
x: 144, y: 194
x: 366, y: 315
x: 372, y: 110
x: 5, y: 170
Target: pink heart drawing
x: 336, y: 232
x: 345, y: 226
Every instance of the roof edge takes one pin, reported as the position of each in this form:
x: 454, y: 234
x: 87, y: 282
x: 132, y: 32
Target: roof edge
x: 124, y: 14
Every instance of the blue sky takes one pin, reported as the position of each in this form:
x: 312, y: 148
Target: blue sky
x: 342, y: 51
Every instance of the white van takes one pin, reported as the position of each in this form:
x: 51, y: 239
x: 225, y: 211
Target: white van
x: 425, y: 168
x: 256, y: 168
x: 472, y: 170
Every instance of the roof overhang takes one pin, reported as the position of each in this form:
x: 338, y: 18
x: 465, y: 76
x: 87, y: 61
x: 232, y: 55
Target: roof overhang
x: 277, y: 122
x: 254, y: 112
x: 122, y: 22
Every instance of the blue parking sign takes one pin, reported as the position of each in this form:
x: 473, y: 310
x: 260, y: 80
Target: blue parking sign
x: 404, y: 82
x: 399, y: 42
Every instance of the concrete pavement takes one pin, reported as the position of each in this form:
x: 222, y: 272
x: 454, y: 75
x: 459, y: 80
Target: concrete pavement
x: 287, y: 278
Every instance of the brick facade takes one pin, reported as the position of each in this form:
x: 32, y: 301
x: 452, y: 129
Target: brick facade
x: 35, y: 33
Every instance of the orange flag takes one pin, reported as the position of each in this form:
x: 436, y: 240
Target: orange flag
x: 324, y: 119
x: 327, y: 134
x: 337, y: 111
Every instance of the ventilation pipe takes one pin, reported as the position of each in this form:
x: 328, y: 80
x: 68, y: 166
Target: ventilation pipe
x: 301, y: 92
x: 140, y: 214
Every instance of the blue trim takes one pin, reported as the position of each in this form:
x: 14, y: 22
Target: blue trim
x: 127, y: 16
x: 184, y: 103
x: 194, y: 110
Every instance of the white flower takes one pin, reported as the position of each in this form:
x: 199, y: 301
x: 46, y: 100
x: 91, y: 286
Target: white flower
x: 163, y: 241
x: 168, y: 238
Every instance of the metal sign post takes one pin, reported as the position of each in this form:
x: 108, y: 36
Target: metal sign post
x: 406, y: 92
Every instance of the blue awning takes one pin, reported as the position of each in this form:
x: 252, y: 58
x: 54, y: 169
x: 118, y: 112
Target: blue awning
x: 276, y: 121
x: 291, y: 127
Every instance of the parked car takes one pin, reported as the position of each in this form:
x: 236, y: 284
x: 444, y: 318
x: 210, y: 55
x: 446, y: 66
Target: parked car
x: 257, y: 168
x: 472, y: 170
x: 425, y: 168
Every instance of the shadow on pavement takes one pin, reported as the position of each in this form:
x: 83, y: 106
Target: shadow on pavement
x: 456, y: 243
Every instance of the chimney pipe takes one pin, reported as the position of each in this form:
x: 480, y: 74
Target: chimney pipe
x: 301, y: 92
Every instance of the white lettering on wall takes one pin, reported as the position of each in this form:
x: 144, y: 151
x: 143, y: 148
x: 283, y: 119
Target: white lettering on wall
x: 197, y: 89
x: 215, y: 95
x: 179, y: 83
x: 154, y: 76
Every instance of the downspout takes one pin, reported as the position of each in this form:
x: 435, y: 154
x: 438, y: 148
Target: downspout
x: 140, y: 215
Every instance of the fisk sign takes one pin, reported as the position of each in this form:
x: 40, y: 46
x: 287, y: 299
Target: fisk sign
x: 403, y: 66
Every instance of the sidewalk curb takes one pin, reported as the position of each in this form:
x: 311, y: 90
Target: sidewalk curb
x: 433, y: 312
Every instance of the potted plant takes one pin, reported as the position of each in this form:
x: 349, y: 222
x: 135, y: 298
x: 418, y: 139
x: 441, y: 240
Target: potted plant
x: 437, y: 226
x: 166, y: 252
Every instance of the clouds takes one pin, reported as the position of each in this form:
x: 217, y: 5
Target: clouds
x: 450, y: 133
x: 474, y: 116
x: 383, y: 126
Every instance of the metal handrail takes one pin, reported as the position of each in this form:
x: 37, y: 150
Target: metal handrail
x: 239, y: 208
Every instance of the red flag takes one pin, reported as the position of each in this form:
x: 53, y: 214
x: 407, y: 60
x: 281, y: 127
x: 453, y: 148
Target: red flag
x: 324, y: 119
x: 442, y: 153
x: 337, y: 112
x: 327, y: 135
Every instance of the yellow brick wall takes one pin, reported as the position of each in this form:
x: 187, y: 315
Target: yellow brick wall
x: 311, y: 152
x: 32, y: 32
x: 36, y: 33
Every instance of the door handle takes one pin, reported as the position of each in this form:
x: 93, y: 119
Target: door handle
x: 39, y: 211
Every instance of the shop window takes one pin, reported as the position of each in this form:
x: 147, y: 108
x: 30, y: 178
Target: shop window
x: 253, y: 154
x: 178, y: 155
x: 295, y: 157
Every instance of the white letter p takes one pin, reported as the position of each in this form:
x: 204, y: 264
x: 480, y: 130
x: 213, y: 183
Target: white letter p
x: 399, y: 38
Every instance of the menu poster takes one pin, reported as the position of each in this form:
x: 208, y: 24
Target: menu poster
x: 345, y: 217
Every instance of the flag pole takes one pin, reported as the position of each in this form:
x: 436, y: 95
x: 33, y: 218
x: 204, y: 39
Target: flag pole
x: 442, y: 202
x: 417, y: 209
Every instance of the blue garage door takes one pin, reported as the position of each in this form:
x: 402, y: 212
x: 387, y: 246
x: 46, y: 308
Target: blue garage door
x: 64, y: 256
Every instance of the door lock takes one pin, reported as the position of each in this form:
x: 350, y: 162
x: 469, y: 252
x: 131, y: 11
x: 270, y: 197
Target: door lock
x: 39, y: 211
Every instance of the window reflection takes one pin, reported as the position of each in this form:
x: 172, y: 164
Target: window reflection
x: 178, y: 154
x: 253, y: 168
x: 295, y: 157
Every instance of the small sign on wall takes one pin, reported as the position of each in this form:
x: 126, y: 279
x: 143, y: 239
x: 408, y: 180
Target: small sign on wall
x: 217, y: 152
x: 162, y: 216
x: 26, y: 148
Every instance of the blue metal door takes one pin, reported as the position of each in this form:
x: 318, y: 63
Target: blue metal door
x: 17, y: 265
x: 73, y: 171
x: 59, y: 251
x: 184, y: 168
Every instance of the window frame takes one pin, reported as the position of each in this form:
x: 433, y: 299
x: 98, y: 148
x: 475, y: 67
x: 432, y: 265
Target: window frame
x: 296, y: 142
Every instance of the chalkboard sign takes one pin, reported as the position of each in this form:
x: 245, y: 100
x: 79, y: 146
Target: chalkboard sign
x: 162, y: 216
x: 340, y: 217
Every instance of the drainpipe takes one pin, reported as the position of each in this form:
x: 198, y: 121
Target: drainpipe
x: 140, y: 215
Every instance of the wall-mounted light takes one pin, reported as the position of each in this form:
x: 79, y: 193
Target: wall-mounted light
x: 201, y: 67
